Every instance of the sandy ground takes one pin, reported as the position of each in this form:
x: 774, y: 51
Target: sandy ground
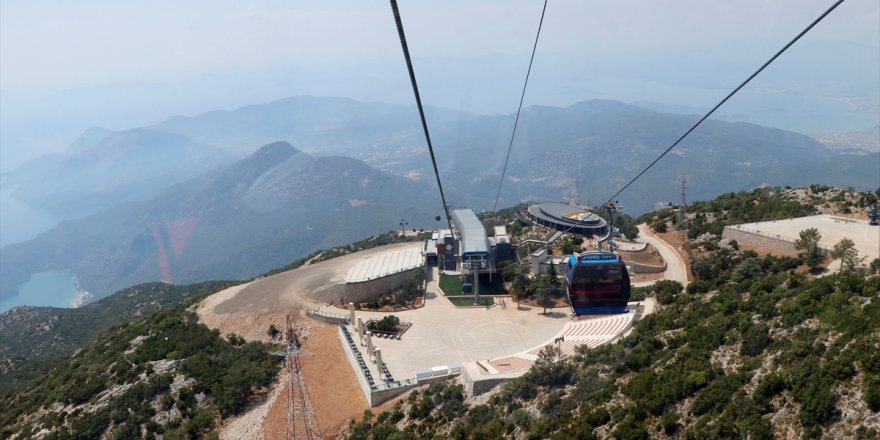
x: 832, y: 227
x: 288, y: 290
x: 251, y: 326
x: 333, y: 389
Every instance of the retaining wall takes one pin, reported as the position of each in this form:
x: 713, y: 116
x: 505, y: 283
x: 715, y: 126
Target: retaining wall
x: 645, y: 268
x: 377, y: 394
x: 477, y: 384
x: 359, y: 292
x: 756, y: 239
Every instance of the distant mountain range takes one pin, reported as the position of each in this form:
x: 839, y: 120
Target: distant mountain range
x: 324, y: 125
x: 177, y: 208
x: 591, y: 149
x: 264, y: 211
x: 104, y: 168
x: 585, y: 151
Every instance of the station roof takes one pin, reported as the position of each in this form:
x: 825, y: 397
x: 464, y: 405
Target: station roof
x: 565, y: 215
x: 569, y: 212
x: 384, y: 264
x: 473, y: 235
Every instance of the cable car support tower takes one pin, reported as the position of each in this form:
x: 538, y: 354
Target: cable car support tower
x: 301, y: 420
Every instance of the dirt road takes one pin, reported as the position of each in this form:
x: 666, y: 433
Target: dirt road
x: 676, y: 270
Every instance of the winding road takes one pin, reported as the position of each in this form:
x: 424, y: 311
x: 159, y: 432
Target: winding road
x: 676, y: 270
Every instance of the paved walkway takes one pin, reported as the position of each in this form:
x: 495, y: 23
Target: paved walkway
x: 443, y: 334
x: 590, y: 331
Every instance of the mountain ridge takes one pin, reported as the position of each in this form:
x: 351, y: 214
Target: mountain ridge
x: 104, y: 168
x: 278, y: 198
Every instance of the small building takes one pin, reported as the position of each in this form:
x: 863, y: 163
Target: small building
x: 430, y: 252
x: 447, y: 246
x: 504, y: 250
x: 541, y: 262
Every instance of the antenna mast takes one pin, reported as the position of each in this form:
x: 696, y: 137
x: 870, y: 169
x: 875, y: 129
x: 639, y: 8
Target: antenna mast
x: 682, y: 209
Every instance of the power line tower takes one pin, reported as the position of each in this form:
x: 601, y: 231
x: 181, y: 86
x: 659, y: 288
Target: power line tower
x: 301, y: 420
x: 681, y: 224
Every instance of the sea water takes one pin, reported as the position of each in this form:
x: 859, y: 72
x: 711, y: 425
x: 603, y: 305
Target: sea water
x: 52, y: 289
x: 20, y: 221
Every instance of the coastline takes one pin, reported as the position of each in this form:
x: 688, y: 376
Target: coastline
x: 82, y: 297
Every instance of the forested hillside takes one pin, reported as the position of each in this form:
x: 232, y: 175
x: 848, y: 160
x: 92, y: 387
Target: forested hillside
x: 36, y: 337
x: 164, y: 375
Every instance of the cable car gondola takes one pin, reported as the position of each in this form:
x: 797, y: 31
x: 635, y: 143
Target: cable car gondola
x: 597, y: 282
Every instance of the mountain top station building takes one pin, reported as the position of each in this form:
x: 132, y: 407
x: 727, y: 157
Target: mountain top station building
x: 562, y: 217
x: 467, y: 248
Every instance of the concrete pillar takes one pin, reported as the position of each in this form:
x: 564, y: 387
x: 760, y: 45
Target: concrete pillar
x: 351, y: 312
x: 361, y: 329
x: 476, y: 288
x: 379, y: 360
x: 369, y: 345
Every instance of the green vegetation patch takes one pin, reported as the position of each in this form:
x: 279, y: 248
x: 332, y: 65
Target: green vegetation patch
x: 452, y: 284
x: 732, y: 208
x: 468, y: 301
x: 387, y: 324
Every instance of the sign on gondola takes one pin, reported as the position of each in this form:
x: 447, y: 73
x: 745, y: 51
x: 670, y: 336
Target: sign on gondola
x: 592, y: 256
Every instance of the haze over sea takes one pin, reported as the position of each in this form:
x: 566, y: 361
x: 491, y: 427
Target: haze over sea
x: 20, y: 221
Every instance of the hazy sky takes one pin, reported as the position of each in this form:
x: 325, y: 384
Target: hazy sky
x: 47, y: 46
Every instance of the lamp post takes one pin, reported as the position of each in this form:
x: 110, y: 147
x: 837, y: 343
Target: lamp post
x: 559, y: 340
x: 403, y: 224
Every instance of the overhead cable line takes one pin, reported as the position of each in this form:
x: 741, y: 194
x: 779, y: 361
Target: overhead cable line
x: 415, y: 86
x: 737, y: 89
x: 519, y: 109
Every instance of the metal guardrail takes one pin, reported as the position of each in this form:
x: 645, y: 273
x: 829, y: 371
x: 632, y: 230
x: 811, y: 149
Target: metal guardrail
x: 366, y: 375
x: 332, y: 318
